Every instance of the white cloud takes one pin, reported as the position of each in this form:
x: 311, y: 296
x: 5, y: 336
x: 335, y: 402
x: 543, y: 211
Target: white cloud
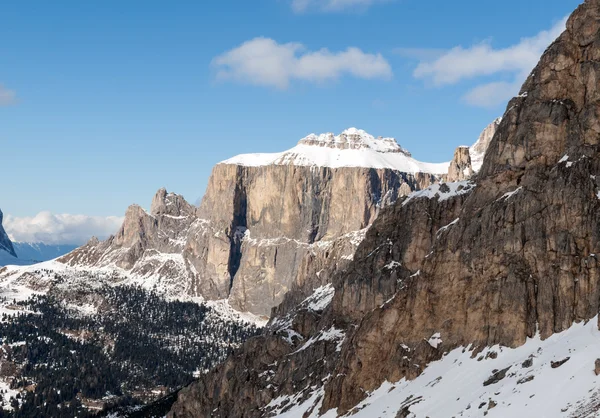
x: 48, y: 228
x: 264, y: 62
x: 301, y: 6
x: 482, y: 60
x: 7, y: 97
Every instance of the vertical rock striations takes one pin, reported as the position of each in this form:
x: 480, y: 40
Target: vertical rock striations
x: 478, y: 150
x: 268, y: 222
x: 460, y: 166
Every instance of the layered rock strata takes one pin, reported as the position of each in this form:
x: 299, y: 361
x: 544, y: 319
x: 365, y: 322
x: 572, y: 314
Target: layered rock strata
x: 267, y: 222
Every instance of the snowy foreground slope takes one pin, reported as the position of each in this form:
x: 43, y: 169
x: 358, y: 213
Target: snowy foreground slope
x: 551, y: 378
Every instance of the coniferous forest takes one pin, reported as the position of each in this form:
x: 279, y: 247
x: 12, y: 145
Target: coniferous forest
x: 134, y: 348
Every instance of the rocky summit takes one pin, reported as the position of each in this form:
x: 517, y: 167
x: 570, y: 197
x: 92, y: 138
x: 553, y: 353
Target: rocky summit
x: 268, y: 223
x: 491, y: 284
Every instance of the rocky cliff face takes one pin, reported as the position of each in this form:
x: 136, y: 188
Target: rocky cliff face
x: 460, y: 166
x: 284, y: 220
x: 5, y: 242
x: 478, y: 150
x: 268, y: 223
x: 468, y: 160
x: 457, y: 265
x: 8, y: 256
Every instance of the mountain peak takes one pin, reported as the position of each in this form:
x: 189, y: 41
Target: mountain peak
x: 351, y: 148
x: 5, y: 242
x: 354, y: 139
x: 171, y: 204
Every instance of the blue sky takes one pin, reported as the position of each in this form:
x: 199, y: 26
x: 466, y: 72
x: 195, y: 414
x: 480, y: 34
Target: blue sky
x: 104, y: 102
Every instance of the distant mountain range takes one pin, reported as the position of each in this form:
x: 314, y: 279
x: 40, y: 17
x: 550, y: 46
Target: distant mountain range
x: 38, y: 252
x: 27, y: 253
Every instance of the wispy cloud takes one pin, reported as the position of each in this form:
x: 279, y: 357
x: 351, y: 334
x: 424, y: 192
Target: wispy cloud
x: 264, y: 62
x: 483, y: 60
x: 7, y: 97
x: 49, y: 228
x: 332, y: 6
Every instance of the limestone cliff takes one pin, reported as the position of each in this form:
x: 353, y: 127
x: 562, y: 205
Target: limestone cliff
x: 477, y: 151
x: 457, y: 265
x: 460, y: 166
x: 267, y: 223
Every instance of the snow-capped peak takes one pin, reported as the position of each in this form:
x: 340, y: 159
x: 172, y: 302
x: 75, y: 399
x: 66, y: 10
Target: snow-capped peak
x: 353, y: 138
x: 351, y: 148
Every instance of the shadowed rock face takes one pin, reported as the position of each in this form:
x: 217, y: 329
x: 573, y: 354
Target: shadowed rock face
x: 513, y: 255
x: 5, y: 242
x: 285, y: 215
x: 522, y: 255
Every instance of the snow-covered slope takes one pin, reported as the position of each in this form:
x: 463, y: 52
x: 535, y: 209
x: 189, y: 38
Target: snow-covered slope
x: 20, y: 282
x: 352, y: 148
x: 551, y: 378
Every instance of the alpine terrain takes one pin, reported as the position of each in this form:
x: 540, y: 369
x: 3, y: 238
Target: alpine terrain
x: 465, y: 299
x: 117, y: 324
x: 267, y: 221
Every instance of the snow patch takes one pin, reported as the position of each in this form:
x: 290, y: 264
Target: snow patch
x: 392, y: 265
x: 442, y: 191
x: 320, y: 299
x: 508, y: 195
x: 435, y: 340
x: 445, y: 228
x: 332, y: 334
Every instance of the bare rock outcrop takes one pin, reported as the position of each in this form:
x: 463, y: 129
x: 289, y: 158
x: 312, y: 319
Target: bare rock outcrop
x: 460, y: 166
x: 521, y: 257
x: 478, y: 150
x: 5, y: 242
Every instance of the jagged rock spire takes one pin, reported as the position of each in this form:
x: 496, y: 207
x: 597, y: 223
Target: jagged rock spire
x: 5, y: 242
x: 165, y: 203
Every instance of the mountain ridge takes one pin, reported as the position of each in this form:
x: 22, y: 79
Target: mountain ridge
x: 259, y: 230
